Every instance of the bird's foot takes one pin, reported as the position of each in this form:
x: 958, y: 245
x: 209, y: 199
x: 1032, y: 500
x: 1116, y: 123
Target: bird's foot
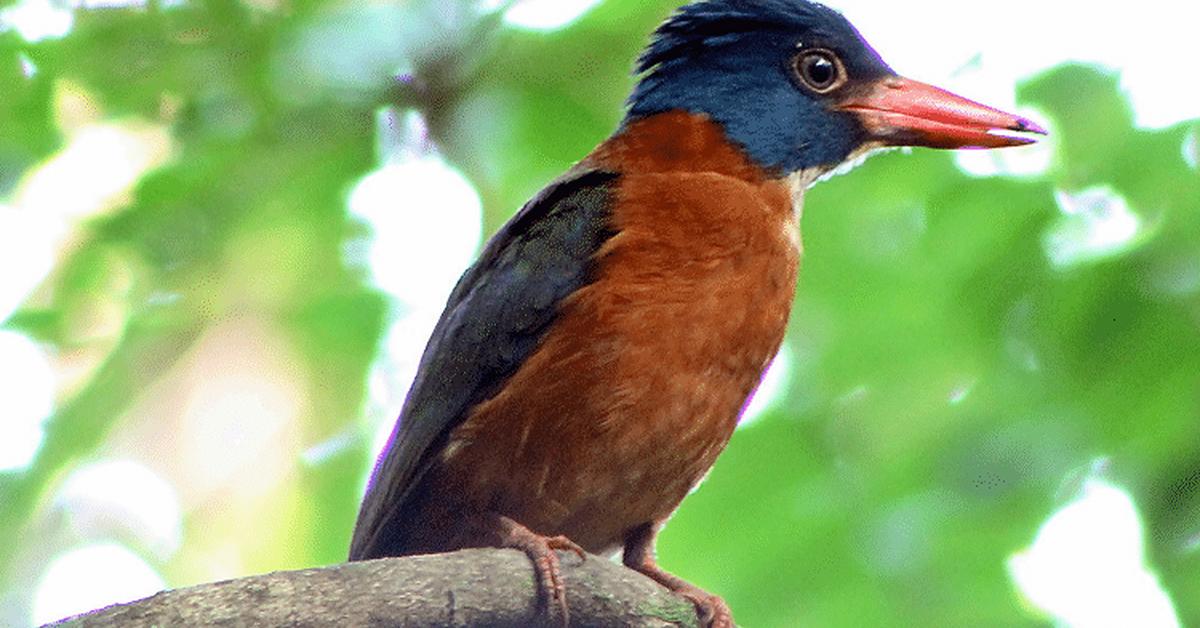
x: 712, y: 610
x: 552, y: 594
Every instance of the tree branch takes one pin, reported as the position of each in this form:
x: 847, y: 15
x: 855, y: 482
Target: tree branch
x: 480, y: 587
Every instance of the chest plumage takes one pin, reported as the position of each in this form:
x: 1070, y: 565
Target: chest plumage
x: 647, y: 367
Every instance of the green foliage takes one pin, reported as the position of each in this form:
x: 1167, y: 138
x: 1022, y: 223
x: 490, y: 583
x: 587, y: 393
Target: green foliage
x: 951, y: 385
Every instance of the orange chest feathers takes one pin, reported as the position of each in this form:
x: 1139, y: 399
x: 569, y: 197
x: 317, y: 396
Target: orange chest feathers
x: 638, y: 385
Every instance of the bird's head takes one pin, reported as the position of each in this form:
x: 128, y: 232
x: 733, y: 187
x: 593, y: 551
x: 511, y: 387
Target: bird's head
x: 795, y: 84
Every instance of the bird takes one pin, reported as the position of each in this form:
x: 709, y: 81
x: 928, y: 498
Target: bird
x: 591, y: 365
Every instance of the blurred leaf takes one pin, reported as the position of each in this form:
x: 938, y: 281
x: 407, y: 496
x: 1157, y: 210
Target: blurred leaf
x: 27, y: 130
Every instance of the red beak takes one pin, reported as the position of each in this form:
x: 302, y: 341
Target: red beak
x: 902, y: 112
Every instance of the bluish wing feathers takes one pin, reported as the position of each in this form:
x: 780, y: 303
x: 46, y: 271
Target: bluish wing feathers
x: 493, y: 321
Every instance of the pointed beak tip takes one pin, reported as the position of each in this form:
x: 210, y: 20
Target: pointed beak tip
x: 1025, y: 125
x: 1027, y: 132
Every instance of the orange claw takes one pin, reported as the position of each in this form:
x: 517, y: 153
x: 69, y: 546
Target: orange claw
x: 552, y: 594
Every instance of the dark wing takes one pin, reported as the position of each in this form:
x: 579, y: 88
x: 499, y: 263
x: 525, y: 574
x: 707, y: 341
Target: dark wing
x: 493, y: 320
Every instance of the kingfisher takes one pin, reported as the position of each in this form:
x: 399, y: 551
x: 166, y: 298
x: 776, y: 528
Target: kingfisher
x: 592, y: 364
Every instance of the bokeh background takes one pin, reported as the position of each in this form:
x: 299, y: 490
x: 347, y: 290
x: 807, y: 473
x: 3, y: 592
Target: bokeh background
x: 227, y: 227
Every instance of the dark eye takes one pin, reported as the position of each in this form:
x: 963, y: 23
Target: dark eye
x: 820, y: 70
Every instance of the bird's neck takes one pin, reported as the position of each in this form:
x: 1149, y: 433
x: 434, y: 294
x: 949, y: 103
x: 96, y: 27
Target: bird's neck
x: 678, y: 141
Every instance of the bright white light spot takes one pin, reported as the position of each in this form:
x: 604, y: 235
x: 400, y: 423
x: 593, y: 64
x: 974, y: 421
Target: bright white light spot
x: 93, y: 173
x: 28, y: 68
x: 402, y: 135
x: 27, y: 389
x: 35, y: 20
x: 1024, y: 161
x: 27, y: 252
x: 1086, y: 566
x: 244, y: 404
x: 111, y: 4
x: 985, y: 64
x: 426, y: 221
x: 92, y: 577
x: 1097, y: 224
x: 325, y: 451
x: 1192, y: 544
x: 355, y: 47
x: 1191, y: 149
x: 962, y: 392
x: 124, y: 498
x: 772, y: 388
x: 1152, y: 87
x: 547, y: 15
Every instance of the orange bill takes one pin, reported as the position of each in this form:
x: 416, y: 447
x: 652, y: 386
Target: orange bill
x: 902, y: 112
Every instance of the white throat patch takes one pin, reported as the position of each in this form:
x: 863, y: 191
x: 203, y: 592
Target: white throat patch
x: 801, y: 180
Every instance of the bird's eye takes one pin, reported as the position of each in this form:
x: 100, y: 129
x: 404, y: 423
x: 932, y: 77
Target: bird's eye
x: 820, y: 70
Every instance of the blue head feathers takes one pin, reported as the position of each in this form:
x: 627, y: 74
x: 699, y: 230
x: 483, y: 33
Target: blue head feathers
x: 743, y: 63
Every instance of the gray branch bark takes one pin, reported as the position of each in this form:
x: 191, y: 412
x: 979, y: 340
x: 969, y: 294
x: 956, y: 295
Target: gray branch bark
x: 489, y: 587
